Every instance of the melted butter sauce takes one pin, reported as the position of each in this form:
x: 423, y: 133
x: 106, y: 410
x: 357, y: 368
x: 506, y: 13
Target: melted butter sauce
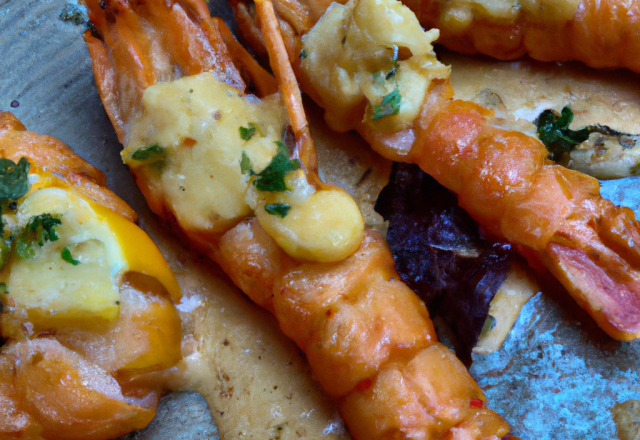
x: 360, y: 53
x: 55, y: 292
x: 197, y: 121
x: 254, y: 379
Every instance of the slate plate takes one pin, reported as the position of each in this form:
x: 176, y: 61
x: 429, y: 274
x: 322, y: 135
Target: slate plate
x: 47, y: 82
x: 558, y: 375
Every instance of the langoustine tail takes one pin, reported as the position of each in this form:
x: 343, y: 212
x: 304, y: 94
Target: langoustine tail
x: 134, y: 45
x: 597, y: 259
x: 553, y: 215
x: 388, y: 383
x: 18, y: 142
x: 384, y: 334
x: 599, y: 33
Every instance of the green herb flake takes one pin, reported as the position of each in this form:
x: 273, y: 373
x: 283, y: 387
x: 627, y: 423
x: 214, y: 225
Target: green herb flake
x: 272, y: 177
x: 152, y: 152
x: 245, y: 164
x: 303, y: 54
x: 5, y: 251
x: 66, y: 256
x: 14, y: 179
x: 389, y: 106
x: 279, y: 209
x: 4, y: 289
x: 39, y: 229
x: 247, y: 133
x: 555, y: 134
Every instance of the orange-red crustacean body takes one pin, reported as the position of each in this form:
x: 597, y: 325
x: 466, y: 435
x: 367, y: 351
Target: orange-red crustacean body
x: 367, y: 336
x: 553, y: 216
x: 73, y: 382
x: 601, y: 33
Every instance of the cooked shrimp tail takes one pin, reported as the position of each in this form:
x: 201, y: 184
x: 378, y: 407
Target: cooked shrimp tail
x: 295, y: 246
x: 553, y: 216
x: 147, y: 44
x: 600, y: 33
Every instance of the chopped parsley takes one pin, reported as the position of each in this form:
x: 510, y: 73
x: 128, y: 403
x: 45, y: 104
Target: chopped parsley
x: 272, y: 177
x: 245, y: 164
x: 4, y: 288
x: 279, y: 209
x: 247, y: 133
x: 303, y: 54
x: 5, y: 251
x: 555, y: 134
x: 66, y: 256
x: 389, y: 106
x: 39, y: 229
x: 153, y: 152
x: 14, y: 179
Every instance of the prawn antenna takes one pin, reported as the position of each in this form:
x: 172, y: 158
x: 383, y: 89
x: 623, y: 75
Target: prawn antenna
x: 288, y: 85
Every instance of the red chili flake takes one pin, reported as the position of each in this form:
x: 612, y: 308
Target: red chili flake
x: 188, y: 142
x: 476, y: 403
x: 364, y: 385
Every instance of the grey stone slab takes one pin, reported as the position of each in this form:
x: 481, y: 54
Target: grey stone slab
x: 558, y: 376
x: 45, y: 67
x: 180, y: 416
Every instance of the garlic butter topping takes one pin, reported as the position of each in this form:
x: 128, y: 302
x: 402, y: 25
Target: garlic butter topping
x: 371, y: 53
x: 216, y: 156
x: 196, y: 122
x: 64, y: 257
x: 319, y: 225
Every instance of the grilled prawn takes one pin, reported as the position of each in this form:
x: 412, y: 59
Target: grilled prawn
x: 371, y: 66
x: 600, y: 33
x: 85, y: 314
x: 237, y: 175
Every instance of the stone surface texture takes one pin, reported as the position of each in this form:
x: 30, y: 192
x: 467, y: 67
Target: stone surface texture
x: 558, y: 376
